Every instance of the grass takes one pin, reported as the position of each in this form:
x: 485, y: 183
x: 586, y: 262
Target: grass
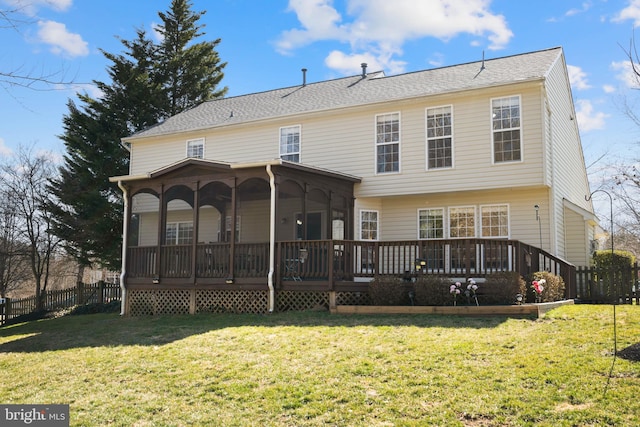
x: 311, y: 369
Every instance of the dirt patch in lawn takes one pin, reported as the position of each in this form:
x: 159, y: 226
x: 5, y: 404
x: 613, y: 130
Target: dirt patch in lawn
x: 631, y: 353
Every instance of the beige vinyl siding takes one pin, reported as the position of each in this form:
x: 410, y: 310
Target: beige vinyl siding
x: 567, y: 172
x: 399, y: 220
x: 577, y: 242
x: 344, y: 140
x: 208, y: 227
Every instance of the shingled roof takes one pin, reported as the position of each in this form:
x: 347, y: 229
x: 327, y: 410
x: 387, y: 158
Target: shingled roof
x: 357, y: 91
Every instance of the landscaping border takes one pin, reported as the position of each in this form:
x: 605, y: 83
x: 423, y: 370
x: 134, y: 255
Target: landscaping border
x: 528, y: 310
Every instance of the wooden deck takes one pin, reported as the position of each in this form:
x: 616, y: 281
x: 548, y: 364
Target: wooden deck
x: 333, y: 265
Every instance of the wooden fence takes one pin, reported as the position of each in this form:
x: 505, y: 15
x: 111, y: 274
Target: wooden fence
x: 84, y: 293
x: 604, y: 285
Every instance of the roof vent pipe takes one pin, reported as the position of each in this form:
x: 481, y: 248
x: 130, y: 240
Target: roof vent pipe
x: 364, y: 69
x: 304, y: 77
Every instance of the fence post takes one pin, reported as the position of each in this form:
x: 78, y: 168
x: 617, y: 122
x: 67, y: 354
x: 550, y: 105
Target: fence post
x: 7, y: 309
x: 101, y: 292
x: 80, y: 293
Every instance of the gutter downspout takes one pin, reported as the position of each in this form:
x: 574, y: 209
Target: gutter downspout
x: 272, y: 238
x: 125, y: 232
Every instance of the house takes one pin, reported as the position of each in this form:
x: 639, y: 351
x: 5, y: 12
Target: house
x: 296, y: 197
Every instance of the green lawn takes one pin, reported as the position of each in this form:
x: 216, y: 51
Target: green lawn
x: 312, y: 368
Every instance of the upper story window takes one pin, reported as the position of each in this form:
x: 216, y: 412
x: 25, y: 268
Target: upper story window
x: 368, y: 225
x: 462, y: 222
x: 431, y: 223
x: 195, y: 148
x: 439, y: 137
x: 494, y: 221
x: 388, y: 143
x: 290, y: 143
x: 506, y: 129
x: 179, y: 233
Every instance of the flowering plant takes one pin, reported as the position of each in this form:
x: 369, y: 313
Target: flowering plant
x: 538, y: 287
x: 471, y: 291
x: 455, y: 291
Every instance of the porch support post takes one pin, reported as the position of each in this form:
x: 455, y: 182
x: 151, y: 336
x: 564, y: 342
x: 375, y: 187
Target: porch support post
x: 162, y: 226
x: 196, y: 222
x: 272, y: 237
x: 232, y: 234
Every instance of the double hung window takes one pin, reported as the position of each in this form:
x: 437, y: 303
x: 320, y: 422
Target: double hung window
x: 439, y: 137
x: 290, y: 143
x: 195, y: 148
x: 388, y: 143
x: 506, y: 126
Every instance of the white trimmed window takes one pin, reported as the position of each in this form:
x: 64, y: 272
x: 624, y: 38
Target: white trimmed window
x: 462, y: 222
x: 439, y: 137
x: 494, y: 221
x: 368, y: 225
x: 290, y: 143
x: 195, y: 148
x: 179, y: 233
x: 506, y: 126
x: 388, y: 143
x: 431, y: 223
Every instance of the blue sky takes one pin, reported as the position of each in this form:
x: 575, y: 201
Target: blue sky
x: 266, y: 43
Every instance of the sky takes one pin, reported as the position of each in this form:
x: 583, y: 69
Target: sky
x: 266, y: 43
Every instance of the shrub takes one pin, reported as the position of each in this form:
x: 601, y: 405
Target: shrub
x: 502, y: 288
x: 553, y: 287
x: 388, y: 291
x: 432, y: 290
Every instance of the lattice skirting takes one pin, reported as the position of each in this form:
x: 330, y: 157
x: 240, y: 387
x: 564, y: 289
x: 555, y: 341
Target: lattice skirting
x: 146, y: 302
x: 301, y: 300
x: 352, y: 298
x: 226, y: 301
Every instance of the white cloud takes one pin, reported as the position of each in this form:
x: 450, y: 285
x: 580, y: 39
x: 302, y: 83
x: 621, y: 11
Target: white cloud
x: 379, y: 28
x: 30, y: 7
x: 577, y: 77
x: 61, y: 40
x: 631, y: 12
x: 575, y: 11
x: 588, y: 119
x: 608, y: 89
x: 4, y: 150
x: 624, y: 71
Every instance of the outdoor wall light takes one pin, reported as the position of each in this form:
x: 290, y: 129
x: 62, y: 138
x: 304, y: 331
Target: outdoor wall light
x: 229, y: 280
x: 519, y: 299
x: 156, y: 280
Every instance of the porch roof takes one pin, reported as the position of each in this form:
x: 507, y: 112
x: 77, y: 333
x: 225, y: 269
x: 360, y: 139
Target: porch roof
x: 217, y: 165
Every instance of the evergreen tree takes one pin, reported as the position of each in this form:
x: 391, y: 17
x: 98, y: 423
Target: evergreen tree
x: 190, y: 74
x: 149, y: 82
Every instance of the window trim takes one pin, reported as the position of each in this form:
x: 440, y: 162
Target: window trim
x: 398, y: 143
x: 444, y: 222
x: 299, y: 152
x: 520, y: 128
x: 427, y: 139
x: 360, y: 221
x: 194, y: 141
x: 508, y: 236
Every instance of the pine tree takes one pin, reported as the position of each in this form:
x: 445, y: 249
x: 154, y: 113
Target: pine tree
x: 190, y: 74
x: 149, y: 82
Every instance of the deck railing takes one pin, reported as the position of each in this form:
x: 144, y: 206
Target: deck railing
x: 346, y: 260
